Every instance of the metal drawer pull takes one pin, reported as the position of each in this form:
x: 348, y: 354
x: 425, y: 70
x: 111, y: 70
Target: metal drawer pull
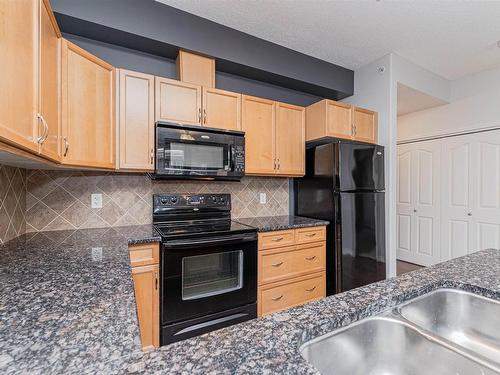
x: 310, y: 234
x: 277, y: 264
x: 278, y: 239
x: 311, y: 289
x: 311, y: 258
x: 277, y: 298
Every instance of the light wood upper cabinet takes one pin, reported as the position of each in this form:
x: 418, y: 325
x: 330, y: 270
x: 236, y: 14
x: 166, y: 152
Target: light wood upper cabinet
x: 258, y: 123
x: 365, y: 125
x: 274, y: 137
x: 19, y: 73
x: 290, y: 139
x: 88, y: 109
x: 136, y: 119
x: 328, y: 118
x: 177, y: 101
x: 196, y: 69
x: 221, y: 109
x: 50, y: 84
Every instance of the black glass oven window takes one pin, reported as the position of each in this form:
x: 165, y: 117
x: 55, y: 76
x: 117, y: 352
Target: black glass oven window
x: 211, y: 274
x: 196, y: 156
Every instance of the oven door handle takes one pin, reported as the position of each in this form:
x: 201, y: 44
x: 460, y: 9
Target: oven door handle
x: 223, y: 240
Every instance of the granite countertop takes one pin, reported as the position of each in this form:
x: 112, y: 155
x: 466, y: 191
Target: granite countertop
x: 66, y: 311
x: 267, y: 224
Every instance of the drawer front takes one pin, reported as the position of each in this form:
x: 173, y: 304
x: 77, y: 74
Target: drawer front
x: 313, y: 234
x: 292, y: 294
x: 144, y: 254
x: 279, y: 264
x: 271, y: 240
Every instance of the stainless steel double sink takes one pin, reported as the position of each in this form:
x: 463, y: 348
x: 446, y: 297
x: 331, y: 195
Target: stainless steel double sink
x: 446, y: 331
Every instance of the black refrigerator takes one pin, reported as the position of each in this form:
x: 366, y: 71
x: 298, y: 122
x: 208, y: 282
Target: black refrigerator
x: 344, y: 184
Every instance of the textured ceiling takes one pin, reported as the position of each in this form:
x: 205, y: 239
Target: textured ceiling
x: 411, y: 100
x: 450, y: 38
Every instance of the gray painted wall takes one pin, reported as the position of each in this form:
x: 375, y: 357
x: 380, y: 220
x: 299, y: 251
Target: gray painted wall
x: 126, y: 58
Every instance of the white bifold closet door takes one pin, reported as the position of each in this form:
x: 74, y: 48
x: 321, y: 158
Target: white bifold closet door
x: 470, y: 194
x: 418, y: 202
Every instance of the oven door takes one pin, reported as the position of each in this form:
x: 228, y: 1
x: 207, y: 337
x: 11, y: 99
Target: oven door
x: 195, y: 153
x: 207, y: 275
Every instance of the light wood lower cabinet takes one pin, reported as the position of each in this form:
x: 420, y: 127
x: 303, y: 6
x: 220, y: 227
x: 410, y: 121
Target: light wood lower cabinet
x: 144, y: 260
x: 88, y: 109
x: 328, y: 118
x: 291, y: 268
x: 136, y: 120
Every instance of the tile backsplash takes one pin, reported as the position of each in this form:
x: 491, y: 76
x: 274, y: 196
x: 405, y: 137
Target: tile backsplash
x: 57, y: 200
x: 12, y: 202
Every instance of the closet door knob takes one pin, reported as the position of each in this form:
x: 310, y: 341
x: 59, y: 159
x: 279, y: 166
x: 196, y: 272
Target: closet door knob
x: 469, y: 214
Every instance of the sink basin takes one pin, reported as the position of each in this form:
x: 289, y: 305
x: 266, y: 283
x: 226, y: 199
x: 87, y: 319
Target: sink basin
x: 383, y: 345
x: 465, y: 319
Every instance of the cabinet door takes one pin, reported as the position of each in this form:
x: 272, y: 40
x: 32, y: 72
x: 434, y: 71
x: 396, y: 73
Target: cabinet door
x: 258, y: 123
x: 196, y: 69
x: 49, y: 98
x: 137, y: 124
x: 177, y: 101
x: 18, y: 73
x: 147, y: 301
x: 221, y: 109
x: 365, y: 125
x: 338, y: 119
x: 290, y: 139
x: 88, y: 106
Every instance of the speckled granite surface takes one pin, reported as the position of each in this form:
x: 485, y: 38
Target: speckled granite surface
x: 267, y: 224
x: 61, y: 312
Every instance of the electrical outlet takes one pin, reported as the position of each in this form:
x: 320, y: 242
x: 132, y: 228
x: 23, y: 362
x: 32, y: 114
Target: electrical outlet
x: 262, y: 198
x: 96, y: 200
x: 97, y: 254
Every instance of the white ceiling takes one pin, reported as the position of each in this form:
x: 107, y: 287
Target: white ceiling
x: 411, y: 100
x: 450, y: 38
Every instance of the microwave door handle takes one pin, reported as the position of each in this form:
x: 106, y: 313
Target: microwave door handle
x: 230, y: 152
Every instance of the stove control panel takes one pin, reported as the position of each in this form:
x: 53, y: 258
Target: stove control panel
x: 196, y: 200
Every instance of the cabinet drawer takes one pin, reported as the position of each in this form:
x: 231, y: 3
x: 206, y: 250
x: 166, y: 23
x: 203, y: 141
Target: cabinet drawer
x: 279, y: 264
x: 313, y: 234
x: 271, y: 240
x: 293, y: 293
x: 144, y: 254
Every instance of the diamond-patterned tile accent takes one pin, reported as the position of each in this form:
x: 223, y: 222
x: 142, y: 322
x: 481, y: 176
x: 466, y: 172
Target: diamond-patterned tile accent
x: 61, y: 199
x: 12, y: 202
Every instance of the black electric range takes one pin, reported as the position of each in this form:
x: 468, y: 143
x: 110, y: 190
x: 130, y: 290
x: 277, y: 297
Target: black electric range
x: 208, y: 265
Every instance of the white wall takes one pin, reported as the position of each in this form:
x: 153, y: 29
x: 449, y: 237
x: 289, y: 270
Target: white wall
x: 474, y: 104
x: 373, y: 90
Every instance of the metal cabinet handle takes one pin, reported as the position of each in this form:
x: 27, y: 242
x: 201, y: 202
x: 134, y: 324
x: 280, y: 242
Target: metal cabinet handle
x: 311, y: 258
x: 277, y: 264
x: 156, y: 280
x: 279, y: 164
x: 66, y: 146
x: 199, y: 115
x: 278, y: 239
x: 204, y: 116
x: 469, y: 214
x: 274, y: 161
x: 310, y: 234
x: 43, y: 138
x: 277, y: 298
x: 152, y: 156
x: 414, y: 210
x: 311, y: 289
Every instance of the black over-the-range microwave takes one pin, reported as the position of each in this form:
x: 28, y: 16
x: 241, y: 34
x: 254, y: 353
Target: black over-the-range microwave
x: 194, y: 152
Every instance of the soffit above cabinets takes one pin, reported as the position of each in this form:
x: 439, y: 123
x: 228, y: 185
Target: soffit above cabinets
x: 162, y: 30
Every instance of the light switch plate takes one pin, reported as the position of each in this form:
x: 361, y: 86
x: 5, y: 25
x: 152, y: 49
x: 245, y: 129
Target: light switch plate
x: 96, y: 200
x: 262, y: 198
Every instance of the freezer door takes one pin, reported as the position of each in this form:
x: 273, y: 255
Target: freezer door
x: 360, y: 166
x: 361, y: 235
